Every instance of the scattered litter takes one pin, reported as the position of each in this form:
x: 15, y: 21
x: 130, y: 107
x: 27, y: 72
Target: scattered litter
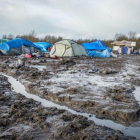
x: 53, y: 56
x: 91, y: 71
x: 109, y: 71
x: 113, y: 55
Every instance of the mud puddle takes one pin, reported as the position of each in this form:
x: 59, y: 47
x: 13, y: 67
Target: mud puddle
x: 129, y: 131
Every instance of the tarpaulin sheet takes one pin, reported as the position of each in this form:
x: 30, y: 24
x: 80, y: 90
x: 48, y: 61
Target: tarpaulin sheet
x: 109, y: 49
x: 4, y: 48
x: 43, y: 45
x: 124, y: 50
x: 18, y: 42
x: 97, y: 45
x: 15, y: 43
x: 103, y: 53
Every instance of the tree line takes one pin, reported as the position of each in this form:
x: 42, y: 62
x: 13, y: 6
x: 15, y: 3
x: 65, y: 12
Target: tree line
x: 32, y: 36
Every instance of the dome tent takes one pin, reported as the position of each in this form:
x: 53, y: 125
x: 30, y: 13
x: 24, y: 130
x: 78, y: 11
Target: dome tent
x: 67, y: 48
x: 3, y: 40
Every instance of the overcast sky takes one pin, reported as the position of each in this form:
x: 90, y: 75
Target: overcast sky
x: 100, y: 19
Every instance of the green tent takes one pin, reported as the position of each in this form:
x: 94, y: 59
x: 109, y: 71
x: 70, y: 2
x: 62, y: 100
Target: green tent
x: 3, y: 40
x: 67, y: 48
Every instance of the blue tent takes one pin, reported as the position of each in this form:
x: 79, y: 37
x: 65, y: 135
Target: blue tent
x: 96, y: 49
x: 96, y: 45
x: 109, y: 49
x: 4, y: 48
x: 124, y: 50
x: 17, y: 43
x: 96, y: 53
x: 104, y: 53
x: 43, y: 45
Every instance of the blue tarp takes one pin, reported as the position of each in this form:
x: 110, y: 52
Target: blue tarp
x: 18, y: 42
x: 15, y: 43
x: 43, y: 45
x: 125, y: 50
x: 96, y: 45
x: 97, y: 49
x: 109, y: 49
x: 4, y: 47
x: 104, y: 53
x: 95, y: 53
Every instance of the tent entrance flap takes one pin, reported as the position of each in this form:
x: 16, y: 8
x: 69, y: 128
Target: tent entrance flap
x: 60, y: 49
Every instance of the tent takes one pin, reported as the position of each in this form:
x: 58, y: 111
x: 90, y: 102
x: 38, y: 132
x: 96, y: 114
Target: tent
x: 67, y: 48
x: 3, y: 40
x: 4, y: 48
x: 19, y: 46
x: 97, y: 49
x: 125, y: 50
x: 43, y: 45
x: 96, y: 53
x: 96, y: 45
x: 15, y: 43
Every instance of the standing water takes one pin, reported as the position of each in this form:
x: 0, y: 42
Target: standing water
x: 137, y: 94
x: 129, y: 131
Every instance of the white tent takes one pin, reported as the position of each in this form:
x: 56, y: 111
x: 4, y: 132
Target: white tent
x: 67, y: 48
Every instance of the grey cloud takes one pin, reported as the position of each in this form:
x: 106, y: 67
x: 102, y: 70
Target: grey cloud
x: 74, y: 19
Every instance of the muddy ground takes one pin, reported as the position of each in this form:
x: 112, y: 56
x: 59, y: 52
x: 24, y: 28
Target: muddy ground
x: 25, y: 119
x: 107, y: 93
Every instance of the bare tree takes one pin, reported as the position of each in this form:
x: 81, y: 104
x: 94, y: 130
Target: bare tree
x: 4, y: 36
x: 132, y: 35
x: 32, y: 34
x: 18, y: 36
x: 9, y: 37
x: 120, y: 37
